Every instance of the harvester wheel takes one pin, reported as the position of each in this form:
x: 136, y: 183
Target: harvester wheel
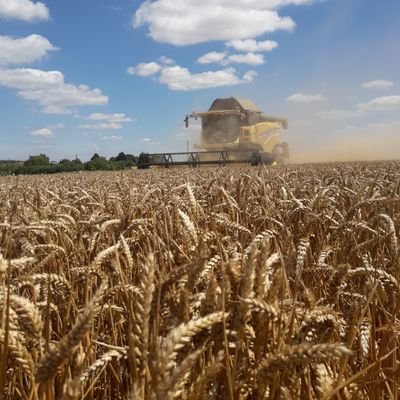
x: 255, y: 158
x: 267, y: 158
x: 144, y: 160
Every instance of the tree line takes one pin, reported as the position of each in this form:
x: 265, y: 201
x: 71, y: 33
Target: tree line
x: 40, y: 164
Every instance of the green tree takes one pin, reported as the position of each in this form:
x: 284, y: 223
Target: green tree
x: 39, y: 160
x: 98, y: 163
x: 94, y: 157
x: 121, y: 157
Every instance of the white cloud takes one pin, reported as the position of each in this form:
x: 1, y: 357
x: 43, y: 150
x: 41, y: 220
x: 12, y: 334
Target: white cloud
x: 145, y: 69
x: 248, y: 58
x: 146, y: 140
x: 57, y: 110
x: 191, y: 22
x: 49, y: 89
x: 25, y: 10
x: 212, y: 57
x: 102, y: 126
x: 379, y: 84
x: 166, y: 60
x: 117, y: 117
x: 224, y: 59
x: 339, y: 114
x: 305, y: 98
x: 30, y: 79
x: 249, y: 76
x: 113, y: 138
x: 381, y: 104
x: 179, y: 78
x: 23, y: 50
x: 251, y: 45
x: 44, y: 132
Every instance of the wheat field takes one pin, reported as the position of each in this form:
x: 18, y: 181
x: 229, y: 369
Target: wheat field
x: 214, y: 283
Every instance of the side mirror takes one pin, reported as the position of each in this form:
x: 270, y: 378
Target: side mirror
x: 186, y: 121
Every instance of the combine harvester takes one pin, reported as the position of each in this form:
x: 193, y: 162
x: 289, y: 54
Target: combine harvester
x: 232, y: 131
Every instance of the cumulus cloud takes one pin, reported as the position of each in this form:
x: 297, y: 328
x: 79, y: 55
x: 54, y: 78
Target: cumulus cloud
x: 44, y: 132
x: 212, y: 57
x: 378, y: 84
x: 381, y: 104
x: 30, y: 79
x: 25, y: 10
x: 179, y: 78
x: 305, y: 98
x: 145, y: 140
x: 116, y: 117
x: 224, y: 59
x: 251, y: 45
x: 102, y: 126
x: 106, y: 121
x: 49, y: 89
x: 23, y: 50
x: 238, y: 23
x: 248, y: 58
x: 145, y: 69
x: 47, y: 131
x: 57, y: 110
x: 166, y: 60
x: 249, y: 76
x: 192, y: 22
x: 182, y: 79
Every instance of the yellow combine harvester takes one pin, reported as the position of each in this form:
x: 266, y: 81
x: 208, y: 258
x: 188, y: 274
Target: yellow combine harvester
x: 237, y: 125
x: 232, y: 131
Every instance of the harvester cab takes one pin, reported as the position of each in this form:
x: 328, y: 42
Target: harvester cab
x: 237, y: 125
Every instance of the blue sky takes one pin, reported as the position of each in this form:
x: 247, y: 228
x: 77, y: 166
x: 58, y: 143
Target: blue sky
x: 78, y: 77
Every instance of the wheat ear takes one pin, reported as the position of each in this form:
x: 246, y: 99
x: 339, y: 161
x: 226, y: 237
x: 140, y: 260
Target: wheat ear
x: 179, y: 337
x: 302, y: 354
x: 64, y: 348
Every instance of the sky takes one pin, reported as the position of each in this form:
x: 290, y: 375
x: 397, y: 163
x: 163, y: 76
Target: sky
x: 79, y: 77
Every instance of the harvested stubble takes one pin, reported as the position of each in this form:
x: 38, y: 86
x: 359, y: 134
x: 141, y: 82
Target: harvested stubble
x: 231, y: 283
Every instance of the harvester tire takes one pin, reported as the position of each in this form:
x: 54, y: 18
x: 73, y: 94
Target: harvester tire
x: 143, y: 162
x: 255, y: 158
x: 267, y: 158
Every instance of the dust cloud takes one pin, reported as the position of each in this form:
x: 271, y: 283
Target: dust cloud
x: 352, y: 144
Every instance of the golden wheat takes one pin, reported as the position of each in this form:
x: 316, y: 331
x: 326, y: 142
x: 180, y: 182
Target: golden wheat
x: 215, y: 283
